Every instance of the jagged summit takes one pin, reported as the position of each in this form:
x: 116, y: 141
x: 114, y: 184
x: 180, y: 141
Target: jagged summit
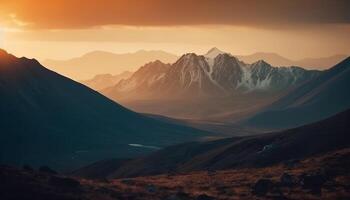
x: 153, y: 66
x: 188, y: 55
x: 261, y: 62
x: 10, y: 64
x: 226, y: 56
x: 213, y: 52
x: 157, y: 62
x: 145, y: 78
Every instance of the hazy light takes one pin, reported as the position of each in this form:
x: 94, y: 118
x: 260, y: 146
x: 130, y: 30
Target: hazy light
x: 2, y: 37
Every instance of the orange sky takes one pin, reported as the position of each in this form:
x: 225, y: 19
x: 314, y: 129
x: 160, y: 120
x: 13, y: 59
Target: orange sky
x: 67, y: 28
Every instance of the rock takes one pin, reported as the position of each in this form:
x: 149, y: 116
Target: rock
x: 211, y: 172
x: 27, y: 168
x: 103, y: 190
x: 266, y: 148
x: 287, y: 180
x: 171, y: 173
x: 151, y: 188
x: 204, y: 197
x: 128, y: 181
x: 262, y: 187
x: 314, y: 182
x: 179, y: 196
x: 331, y: 172
x: 103, y: 180
x: 280, y: 197
x: 63, y: 182
x: 47, y: 170
x: 291, y: 163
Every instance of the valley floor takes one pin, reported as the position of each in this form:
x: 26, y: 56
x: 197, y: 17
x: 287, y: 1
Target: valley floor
x: 321, y: 177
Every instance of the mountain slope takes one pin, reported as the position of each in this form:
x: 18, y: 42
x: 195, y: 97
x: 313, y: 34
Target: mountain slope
x: 189, y: 76
x: 324, y: 176
x: 49, y: 119
x: 143, y: 80
x: 98, y: 62
x: 239, y: 152
x: 317, y: 99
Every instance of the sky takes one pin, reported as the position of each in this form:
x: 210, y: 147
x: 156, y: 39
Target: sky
x: 61, y: 29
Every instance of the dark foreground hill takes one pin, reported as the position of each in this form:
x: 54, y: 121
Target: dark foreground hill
x: 315, y: 100
x: 240, y: 152
x: 47, y: 119
x: 319, y: 177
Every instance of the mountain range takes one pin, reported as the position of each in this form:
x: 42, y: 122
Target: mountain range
x: 206, y: 86
x: 48, y: 119
x: 215, y: 73
x: 101, y: 62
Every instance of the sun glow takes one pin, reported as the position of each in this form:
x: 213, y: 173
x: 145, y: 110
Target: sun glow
x: 1, y: 37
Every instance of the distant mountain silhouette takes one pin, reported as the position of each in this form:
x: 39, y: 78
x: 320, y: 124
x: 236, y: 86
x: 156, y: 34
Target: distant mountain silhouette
x: 317, y: 99
x: 272, y: 58
x: 47, y: 119
x: 239, y: 152
x: 100, y: 62
x: 308, y: 63
x: 103, y: 81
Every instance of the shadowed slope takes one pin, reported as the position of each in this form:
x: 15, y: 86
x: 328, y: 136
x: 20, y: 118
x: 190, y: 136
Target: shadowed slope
x: 317, y: 99
x: 254, y: 151
x: 49, y: 119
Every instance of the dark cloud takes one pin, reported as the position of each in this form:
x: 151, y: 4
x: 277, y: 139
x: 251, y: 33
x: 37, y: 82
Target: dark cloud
x: 62, y: 14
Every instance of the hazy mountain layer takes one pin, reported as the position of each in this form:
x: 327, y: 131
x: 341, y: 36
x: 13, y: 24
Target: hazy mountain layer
x: 103, y: 81
x: 308, y: 63
x: 100, y: 62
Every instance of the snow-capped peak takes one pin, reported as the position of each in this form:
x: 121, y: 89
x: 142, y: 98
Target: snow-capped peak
x: 213, y: 52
